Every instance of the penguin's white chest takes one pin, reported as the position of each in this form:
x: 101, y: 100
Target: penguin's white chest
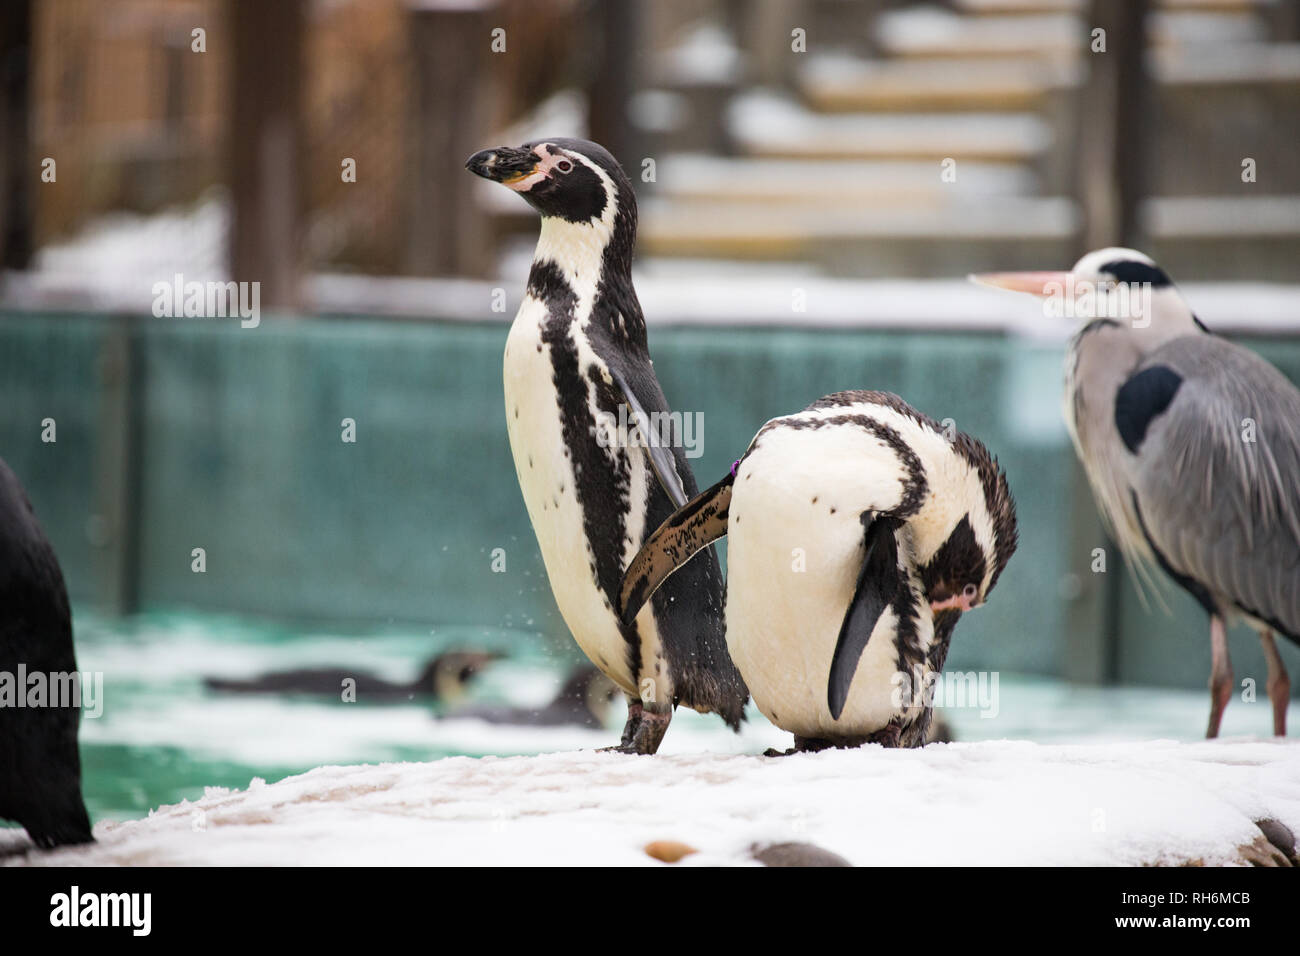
x: 795, y: 549
x: 547, y: 478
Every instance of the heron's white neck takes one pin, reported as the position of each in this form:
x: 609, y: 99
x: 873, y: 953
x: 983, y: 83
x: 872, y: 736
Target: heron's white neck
x: 1171, y: 318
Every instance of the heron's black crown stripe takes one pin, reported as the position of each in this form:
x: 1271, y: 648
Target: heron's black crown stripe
x: 1141, y: 399
x: 1130, y: 270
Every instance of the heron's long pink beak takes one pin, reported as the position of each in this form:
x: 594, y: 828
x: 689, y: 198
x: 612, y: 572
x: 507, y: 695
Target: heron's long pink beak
x: 1041, y: 284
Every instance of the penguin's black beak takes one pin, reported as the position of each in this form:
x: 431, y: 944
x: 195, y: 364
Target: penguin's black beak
x: 503, y: 164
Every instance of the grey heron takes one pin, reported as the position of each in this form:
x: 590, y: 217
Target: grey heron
x: 1191, y: 444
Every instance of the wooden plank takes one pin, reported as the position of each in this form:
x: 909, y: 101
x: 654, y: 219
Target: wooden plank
x: 455, y: 92
x: 1113, y: 103
x: 18, y: 168
x: 610, y: 88
x: 265, y: 146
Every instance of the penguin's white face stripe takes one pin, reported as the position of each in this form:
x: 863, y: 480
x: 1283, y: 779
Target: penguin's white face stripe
x: 577, y: 248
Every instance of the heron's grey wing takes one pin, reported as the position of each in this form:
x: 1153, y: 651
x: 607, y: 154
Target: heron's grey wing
x: 1215, y: 473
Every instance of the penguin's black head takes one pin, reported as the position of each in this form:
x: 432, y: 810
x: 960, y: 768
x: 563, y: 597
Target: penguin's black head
x: 570, y: 179
x: 979, y: 515
x: 448, y: 675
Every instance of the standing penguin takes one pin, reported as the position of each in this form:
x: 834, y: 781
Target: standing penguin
x: 1192, y: 446
x: 577, y: 355
x: 40, y: 767
x: 858, y: 534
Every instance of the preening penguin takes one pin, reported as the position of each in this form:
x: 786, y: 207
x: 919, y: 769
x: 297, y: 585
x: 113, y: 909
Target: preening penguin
x: 1192, y: 447
x: 576, y: 353
x: 858, y: 534
x: 40, y: 766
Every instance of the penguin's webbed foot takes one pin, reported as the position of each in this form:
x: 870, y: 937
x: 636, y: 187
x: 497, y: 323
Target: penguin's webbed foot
x: 811, y: 745
x: 619, y: 748
x: 650, y: 732
x: 802, y: 745
x: 643, y: 731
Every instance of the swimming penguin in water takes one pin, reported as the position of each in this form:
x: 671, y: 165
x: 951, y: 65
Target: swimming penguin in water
x: 577, y: 368
x: 444, y: 678
x: 40, y: 766
x: 858, y: 535
x: 583, y: 701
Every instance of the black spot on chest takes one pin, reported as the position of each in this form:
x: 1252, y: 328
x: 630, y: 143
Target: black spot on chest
x: 1141, y: 399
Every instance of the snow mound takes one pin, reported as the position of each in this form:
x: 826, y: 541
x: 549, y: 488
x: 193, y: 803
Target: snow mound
x: 991, y: 802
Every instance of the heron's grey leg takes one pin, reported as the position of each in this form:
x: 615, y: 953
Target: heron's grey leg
x: 1279, y: 685
x: 1220, y: 673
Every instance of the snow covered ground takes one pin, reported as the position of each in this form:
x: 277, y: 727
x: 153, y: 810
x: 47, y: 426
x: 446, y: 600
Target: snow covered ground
x: 1061, y: 775
x: 993, y: 802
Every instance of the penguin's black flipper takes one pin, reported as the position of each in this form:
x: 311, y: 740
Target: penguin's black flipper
x: 658, y: 445
x: 878, y: 584
x: 701, y: 522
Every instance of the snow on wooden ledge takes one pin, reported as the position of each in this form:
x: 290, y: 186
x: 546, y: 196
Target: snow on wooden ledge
x: 994, y: 802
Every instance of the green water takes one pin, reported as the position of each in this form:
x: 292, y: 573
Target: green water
x: 164, y: 736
